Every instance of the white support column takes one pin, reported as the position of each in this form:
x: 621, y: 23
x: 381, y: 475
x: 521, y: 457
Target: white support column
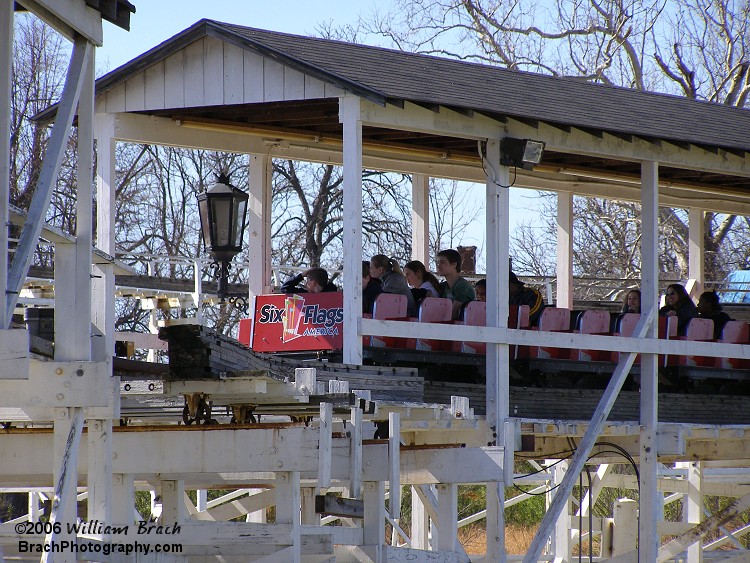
x: 258, y: 516
x: 498, y: 366
x: 309, y: 516
x: 197, y: 290
x: 103, y: 284
x: 6, y: 78
x: 447, y: 494
x: 694, y: 512
x: 67, y: 430
x: 696, y: 250
x: 649, y: 509
x: 373, y: 532
x: 123, y: 498
x: 561, y: 545
x: 355, y: 460
x: 73, y: 261
x: 394, y: 465
x: 173, y: 509
x: 288, y: 504
x: 100, y: 470
x: 564, y: 250
x: 420, y: 521
x: 349, y: 116
x: 420, y: 218
x: 259, y: 224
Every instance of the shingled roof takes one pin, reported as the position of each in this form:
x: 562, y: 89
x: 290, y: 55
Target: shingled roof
x: 386, y: 75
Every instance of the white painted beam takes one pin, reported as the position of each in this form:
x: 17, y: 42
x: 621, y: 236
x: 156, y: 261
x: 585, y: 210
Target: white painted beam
x: 420, y: 218
x: 6, y: 77
x: 349, y: 116
x: 259, y: 224
x: 696, y: 249
x: 649, y: 509
x: 14, y: 354
x: 564, y: 250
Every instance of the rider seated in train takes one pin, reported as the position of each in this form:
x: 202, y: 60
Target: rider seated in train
x: 371, y: 288
x: 389, y: 273
x: 455, y: 287
x: 519, y: 294
x: 679, y: 304
x: 710, y: 308
x: 316, y: 281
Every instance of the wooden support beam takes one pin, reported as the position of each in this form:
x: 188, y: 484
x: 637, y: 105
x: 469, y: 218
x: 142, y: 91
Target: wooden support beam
x: 324, y: 445
x: 394, y: 465
x: 333, y: 505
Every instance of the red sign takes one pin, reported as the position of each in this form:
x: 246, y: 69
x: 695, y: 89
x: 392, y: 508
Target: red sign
x: 295, y: 322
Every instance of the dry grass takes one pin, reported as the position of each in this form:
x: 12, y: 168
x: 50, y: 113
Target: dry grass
x: 517, y: 539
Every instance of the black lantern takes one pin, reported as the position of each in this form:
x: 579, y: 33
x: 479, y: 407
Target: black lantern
x: 521, y: 153
x: 223, y: 212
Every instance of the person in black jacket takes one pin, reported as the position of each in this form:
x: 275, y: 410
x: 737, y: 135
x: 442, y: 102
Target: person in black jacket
x: 371, y: 288
x: 679, y: 304
x: 710, y: 308
x: 316, y: 281
x: 518, y: 294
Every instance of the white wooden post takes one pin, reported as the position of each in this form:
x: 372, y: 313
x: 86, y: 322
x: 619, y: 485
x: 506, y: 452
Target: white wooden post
x: 394, y: 464
x: 349, y: 116
x: 198, y: 290
x: 325, y: 443
x: 288, y: 503
x: 420, y: 218
x: 561, y: 545
x: 498, y: 366
x: 447, y: 494
x: 696, y: 250
x: 257, y: 516
x: 123, y: 498
x: 153, y: 317
x: 373, y: 533
x: 355, y: 455
x: 420, y: 521
x: 259, y: 224
x: 68, y: 427
x: 6, y: 78
x: 564, y: 250
x: 309, y: 516
x: 694, y: 512
x: 649, y: 509
x: 625, y: 516
x: 100, y: 470
x: 103, y: 284
x: 173, y: 508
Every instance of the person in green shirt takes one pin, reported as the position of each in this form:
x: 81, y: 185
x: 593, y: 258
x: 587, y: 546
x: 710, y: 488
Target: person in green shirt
x: 455, y: 287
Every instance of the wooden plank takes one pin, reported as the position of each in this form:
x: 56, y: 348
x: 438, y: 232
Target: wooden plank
x: 193, y: 74
x: 174, y: 80
x: 213, y: 71
x: 324, y: 445
x: 253, y: 77
x: 273, y: 81
x: 135, y: 92
x: 154, y: 86
x: 233, y: 78
x: 14, y: 354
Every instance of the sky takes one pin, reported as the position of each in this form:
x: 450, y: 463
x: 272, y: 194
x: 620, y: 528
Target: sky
x: 155, y: 21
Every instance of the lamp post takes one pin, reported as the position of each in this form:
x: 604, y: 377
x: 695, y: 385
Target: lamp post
x: 223, y: 212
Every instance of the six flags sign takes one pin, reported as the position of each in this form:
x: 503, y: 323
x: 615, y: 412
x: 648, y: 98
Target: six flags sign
x: 295, y: 322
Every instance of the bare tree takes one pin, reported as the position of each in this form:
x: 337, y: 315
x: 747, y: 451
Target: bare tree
x: 694, y: 48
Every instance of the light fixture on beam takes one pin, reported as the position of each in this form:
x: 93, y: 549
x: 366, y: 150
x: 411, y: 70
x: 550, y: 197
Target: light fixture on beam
x: 521, y: 153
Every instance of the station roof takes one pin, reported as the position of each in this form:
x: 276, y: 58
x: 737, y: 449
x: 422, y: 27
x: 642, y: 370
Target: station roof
x: 391, y: 77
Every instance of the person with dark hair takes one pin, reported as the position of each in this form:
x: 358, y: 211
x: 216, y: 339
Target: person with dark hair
x: 631, y: 303
x: 519, y: 294
x: 419, y: 278
x: 679, y: 304
x: 480, y: 289
x: 710, y: 308
x: 371, y: 288
x: 455, y: 287
x: 316, y: 281
x: 389, y: 273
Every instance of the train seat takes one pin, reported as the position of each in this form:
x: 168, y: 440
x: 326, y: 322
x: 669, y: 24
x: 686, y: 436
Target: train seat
x: 434, y: 310
x: 552, y: 319
x: 388, y: 306
x: 626, y: 324
x: 593, y: 321
x: 698, y: 330
x: 734, y: 332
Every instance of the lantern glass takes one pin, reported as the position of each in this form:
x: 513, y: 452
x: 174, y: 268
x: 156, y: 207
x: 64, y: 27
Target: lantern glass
x: 222, y: 210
